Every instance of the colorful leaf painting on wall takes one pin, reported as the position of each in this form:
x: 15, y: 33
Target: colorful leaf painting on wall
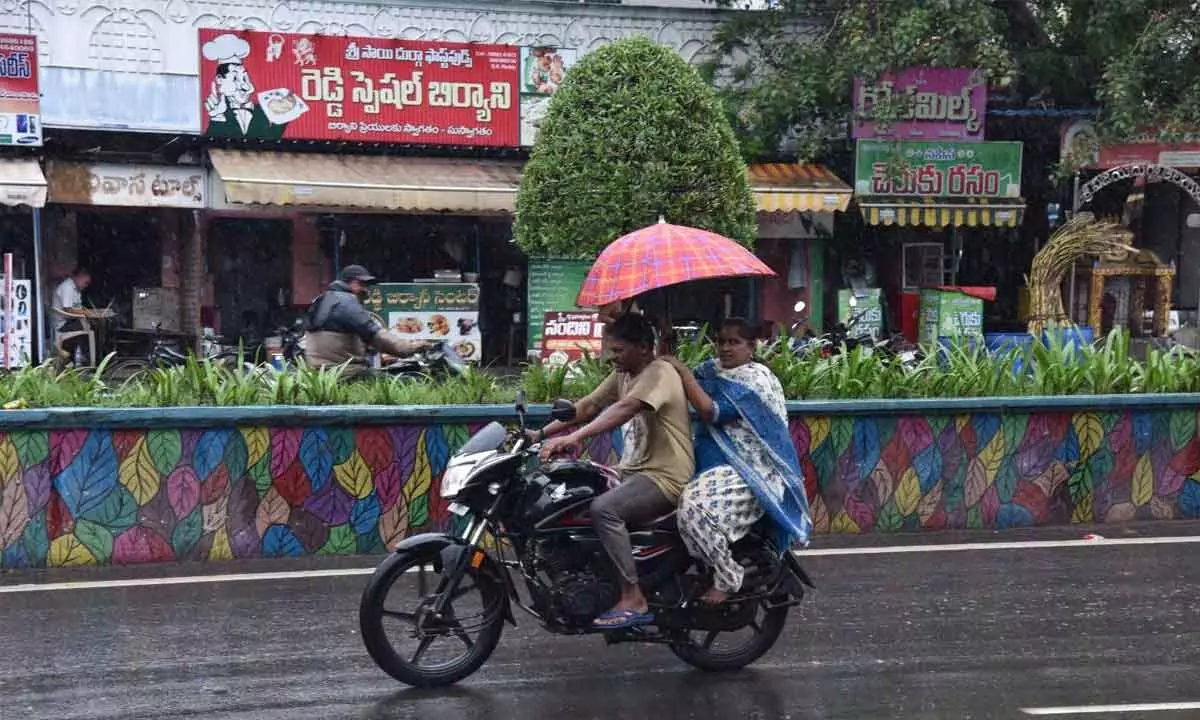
x: 85, y: 497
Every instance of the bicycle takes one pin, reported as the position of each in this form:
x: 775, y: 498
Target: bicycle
x: 162, y: 355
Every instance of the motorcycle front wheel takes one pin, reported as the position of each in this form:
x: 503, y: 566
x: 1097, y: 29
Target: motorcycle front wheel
x: 407, y: 641
x: 735, y: 650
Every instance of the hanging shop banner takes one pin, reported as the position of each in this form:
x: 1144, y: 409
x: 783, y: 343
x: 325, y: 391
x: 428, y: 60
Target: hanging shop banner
x: 542, y: 71
x: 928, y: 104
x: 568, y: 336
x: 20, y: 118
x: 938, y: 169
x: 1081, y: 146
x: 268, y: 86
x: 552, y: 287
x: 16, y: 323
x: 442, y: 312
x: 165, y: 186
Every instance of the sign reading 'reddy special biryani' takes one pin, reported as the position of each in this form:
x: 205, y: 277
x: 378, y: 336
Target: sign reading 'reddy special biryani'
x: 272, y: 86
x: 922, y: 104
x: 938, y: 169
x: 20, y: 119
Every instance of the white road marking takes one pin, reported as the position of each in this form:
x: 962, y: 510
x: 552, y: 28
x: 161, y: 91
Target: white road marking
x: 820, y: 552
x: 1108, y: 709
x: 1017, y: 545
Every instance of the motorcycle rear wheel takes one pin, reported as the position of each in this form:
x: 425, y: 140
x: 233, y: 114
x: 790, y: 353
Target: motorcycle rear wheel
x: 396, y: 570
x: 768, y: 626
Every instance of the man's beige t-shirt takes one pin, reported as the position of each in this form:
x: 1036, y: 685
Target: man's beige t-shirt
x: 657, y: 441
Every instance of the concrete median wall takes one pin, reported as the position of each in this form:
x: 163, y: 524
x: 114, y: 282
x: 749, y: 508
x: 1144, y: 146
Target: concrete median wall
x: 84, y: 487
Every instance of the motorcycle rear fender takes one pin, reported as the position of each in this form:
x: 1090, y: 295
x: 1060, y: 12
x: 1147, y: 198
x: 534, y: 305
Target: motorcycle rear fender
x: 447, y: 551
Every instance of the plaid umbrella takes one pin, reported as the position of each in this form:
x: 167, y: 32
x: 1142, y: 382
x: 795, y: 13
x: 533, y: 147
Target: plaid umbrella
x: 662, y: 255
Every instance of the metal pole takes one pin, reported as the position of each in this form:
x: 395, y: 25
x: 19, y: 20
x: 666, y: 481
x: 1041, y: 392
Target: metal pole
x: 1074, y: 265
x: 40, y: 322
x: 8, y: 309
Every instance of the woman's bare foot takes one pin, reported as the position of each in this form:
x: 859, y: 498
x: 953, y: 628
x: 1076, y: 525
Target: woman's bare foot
x: 714, y: 597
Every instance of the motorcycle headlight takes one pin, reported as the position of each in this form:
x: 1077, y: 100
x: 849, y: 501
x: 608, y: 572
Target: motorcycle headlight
x: 455, y: 479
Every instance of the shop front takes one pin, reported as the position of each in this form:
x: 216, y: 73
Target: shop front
x: 796, y: 220
x: 940, y: 216
x: 412, y: 219
x: 134, y: 228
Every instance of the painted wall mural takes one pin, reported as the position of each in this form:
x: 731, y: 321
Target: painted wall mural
x: 84, y: 497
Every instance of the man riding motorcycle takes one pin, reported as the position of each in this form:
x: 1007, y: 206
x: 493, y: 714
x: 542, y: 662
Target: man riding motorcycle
x: 340, y: 329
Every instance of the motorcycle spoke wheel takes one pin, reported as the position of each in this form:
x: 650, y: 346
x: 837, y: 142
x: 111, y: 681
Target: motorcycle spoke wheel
x: 419, y: 646
x: 718, y: 650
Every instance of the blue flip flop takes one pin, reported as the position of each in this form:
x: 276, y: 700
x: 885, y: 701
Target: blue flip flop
x: 622, y: 620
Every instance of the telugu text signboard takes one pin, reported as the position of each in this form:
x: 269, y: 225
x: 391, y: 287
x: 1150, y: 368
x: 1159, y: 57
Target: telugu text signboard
x: 1081, y: 146
x: 20, y: 118
x: 126, y: 185
x: 441, y: 312
x: 568, y: 336
x: 938, y: 169
x: 928, y: 104
x: 271, y: 86
x: 553, y: 286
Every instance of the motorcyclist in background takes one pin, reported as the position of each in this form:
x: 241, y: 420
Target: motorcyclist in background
x: 340, y: 329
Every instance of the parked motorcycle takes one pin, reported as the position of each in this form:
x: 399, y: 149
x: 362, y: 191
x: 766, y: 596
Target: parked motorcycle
x: 831, y: 343
x: 526, y: 524
x: 437, y: 363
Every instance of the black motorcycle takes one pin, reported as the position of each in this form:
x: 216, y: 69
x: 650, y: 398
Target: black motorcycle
x: 525, y: 538
x: 437, y: 363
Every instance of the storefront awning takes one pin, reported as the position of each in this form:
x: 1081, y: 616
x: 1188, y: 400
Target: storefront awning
x: 360, y: 181
x: 789, y: 187
x: 942, y: 212
x: 22, y: 183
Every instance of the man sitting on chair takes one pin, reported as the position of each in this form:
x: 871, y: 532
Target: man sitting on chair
x: 67, y: 306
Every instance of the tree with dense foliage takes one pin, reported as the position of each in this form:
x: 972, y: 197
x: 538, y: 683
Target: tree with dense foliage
x: 787, y: 73
x: 632, y: 134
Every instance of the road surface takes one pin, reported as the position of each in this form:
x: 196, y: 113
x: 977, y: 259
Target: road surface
x: 933, y: 631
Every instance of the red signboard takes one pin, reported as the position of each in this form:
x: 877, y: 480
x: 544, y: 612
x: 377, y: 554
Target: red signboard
x: 568, y: 335
x: 20, y: 120
x: 272, y: 86
x: 1080, y: 143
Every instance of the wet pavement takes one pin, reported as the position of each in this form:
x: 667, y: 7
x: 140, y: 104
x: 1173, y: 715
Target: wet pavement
x: 932, y: 634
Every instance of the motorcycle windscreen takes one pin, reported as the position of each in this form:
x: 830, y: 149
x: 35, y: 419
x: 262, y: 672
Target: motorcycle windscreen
x: 491, y: 437
x: 453, y: 359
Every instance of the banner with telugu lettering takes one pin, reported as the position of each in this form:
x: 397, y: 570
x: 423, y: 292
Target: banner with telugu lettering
x: 442, y: 312
x: 938, y: 169
x: 20, y: 119
x: 928, y: 103
x: 270, y: 86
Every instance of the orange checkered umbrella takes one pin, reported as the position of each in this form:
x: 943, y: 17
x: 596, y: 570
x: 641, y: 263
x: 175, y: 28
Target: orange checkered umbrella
x: 662, y: 255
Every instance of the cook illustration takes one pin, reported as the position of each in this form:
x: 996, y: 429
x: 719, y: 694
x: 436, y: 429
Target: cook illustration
x: 232, y: 108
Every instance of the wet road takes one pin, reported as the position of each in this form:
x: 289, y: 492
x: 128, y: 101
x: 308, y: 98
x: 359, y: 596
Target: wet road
x: 931, y: 634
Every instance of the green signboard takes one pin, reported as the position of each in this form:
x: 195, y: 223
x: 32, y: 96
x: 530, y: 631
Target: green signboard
x: 553, y: 287
x: 949, y: 314
x: 868, y: 310
x: 443, y: 312
x: 938, y: 169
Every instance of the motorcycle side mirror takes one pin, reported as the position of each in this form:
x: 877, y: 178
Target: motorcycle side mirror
x: 853, y: 301
x: 521, y: 402
x: 800, y: 306
x: 562, y: 410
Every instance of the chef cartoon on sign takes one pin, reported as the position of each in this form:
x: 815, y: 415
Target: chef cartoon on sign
x: 231, y: 106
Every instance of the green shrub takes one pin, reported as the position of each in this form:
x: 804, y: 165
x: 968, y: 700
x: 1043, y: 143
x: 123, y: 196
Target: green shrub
x: 960, y: 371
x: 632, y: 133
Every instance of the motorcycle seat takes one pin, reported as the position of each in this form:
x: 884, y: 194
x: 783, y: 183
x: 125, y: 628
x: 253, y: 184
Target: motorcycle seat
x: 665, y: 523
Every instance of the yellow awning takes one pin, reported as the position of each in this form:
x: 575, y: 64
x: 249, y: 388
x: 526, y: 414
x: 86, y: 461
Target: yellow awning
x: 790, y: 187
x: 22, y: 182
x: 942, y: 212
x: 362, y: 181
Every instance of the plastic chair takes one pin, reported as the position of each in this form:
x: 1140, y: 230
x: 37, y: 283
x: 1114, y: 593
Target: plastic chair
x: 87, y: 331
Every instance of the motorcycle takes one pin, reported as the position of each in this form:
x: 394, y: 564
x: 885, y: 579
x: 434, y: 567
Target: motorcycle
x: 438, y: 363
x: 524, y: 523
